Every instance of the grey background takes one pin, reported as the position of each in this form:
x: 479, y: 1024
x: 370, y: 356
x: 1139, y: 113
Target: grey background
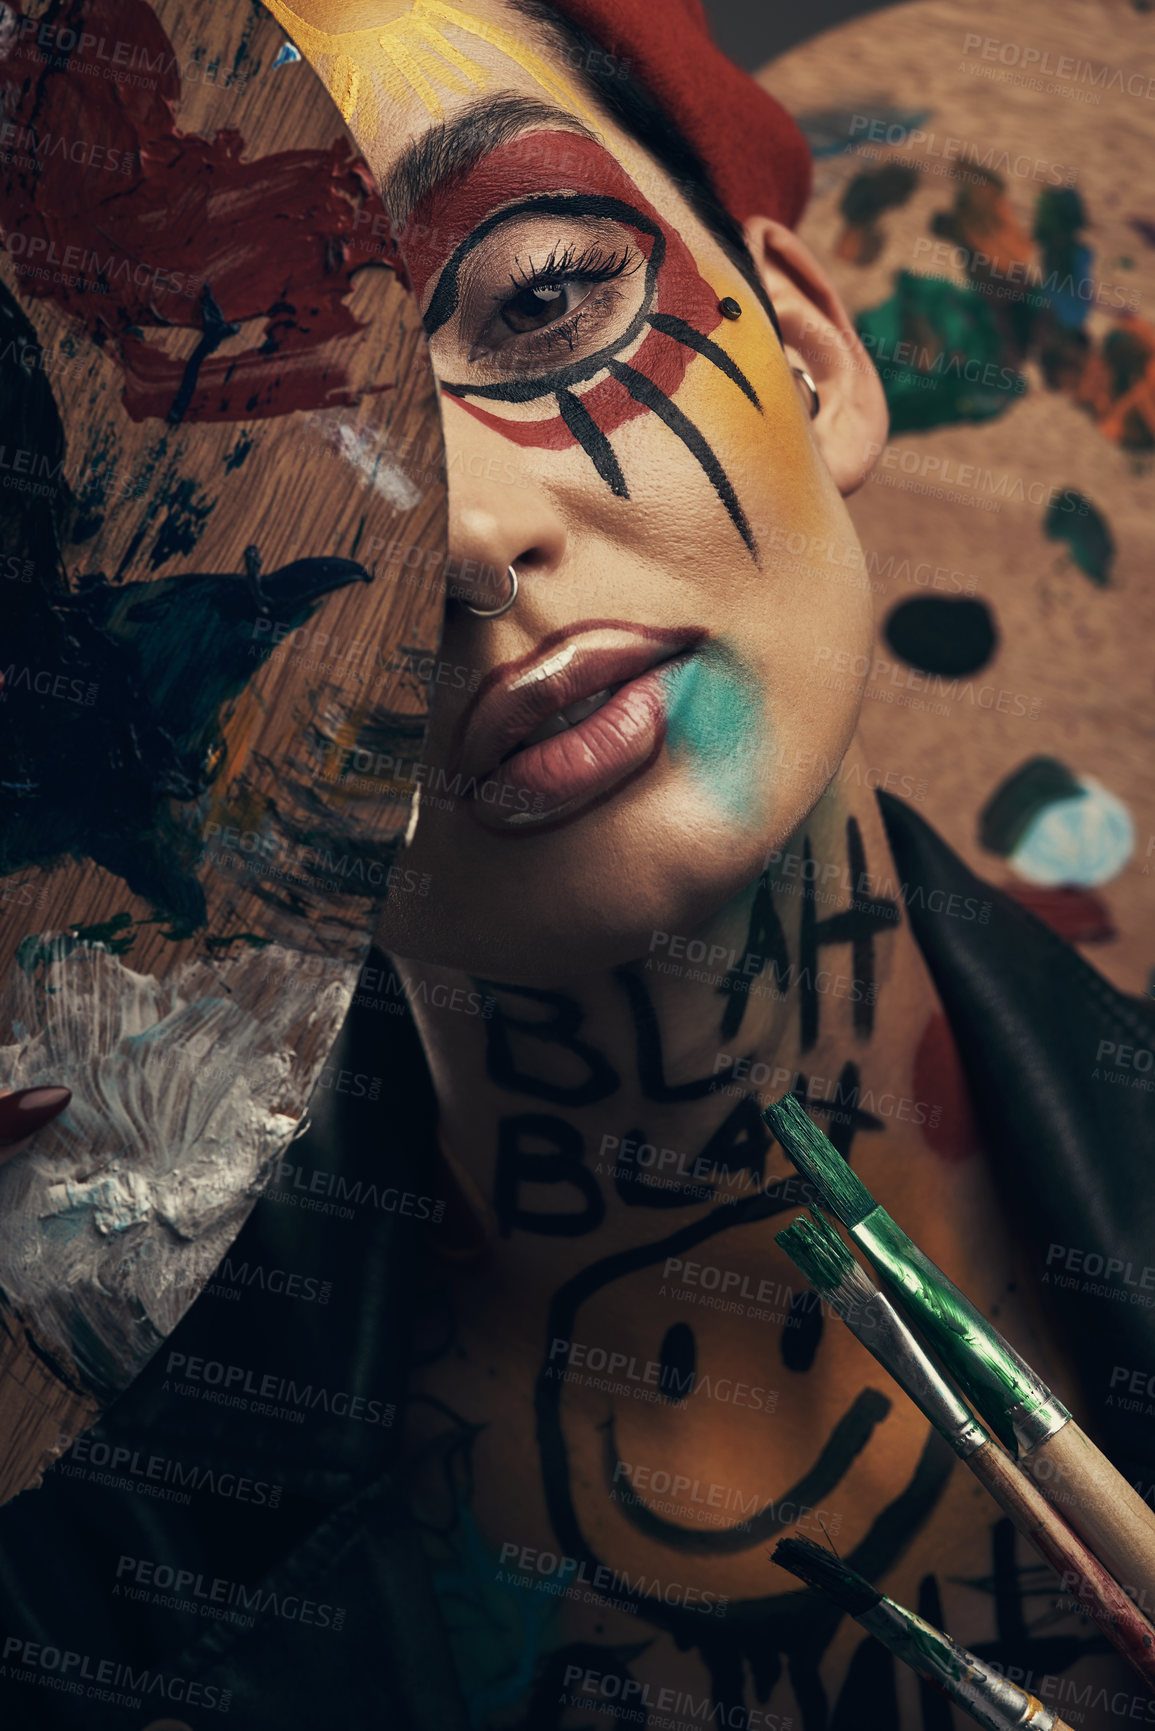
x: 753, y: 31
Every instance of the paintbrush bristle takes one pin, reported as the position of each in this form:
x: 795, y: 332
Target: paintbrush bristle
x: 817, y: 1251
x: 822, y: 1569
x: 818, y: 1159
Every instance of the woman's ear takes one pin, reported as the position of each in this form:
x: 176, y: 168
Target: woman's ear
x: 851, y: 425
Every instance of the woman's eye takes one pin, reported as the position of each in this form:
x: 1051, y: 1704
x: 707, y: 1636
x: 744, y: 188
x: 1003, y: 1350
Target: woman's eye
x: 540, y: 304
x: 529, y: 301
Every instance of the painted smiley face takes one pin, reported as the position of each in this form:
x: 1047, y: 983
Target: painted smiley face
x: 753, y: 1631
x: 645, y: 313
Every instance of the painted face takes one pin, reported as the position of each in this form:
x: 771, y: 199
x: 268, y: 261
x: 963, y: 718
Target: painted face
x: 595, y: 333
x: 619, y: 751
x: 628, y: 1494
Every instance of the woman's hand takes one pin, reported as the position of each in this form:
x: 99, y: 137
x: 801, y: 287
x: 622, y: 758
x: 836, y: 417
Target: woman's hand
x: 24, y: 1112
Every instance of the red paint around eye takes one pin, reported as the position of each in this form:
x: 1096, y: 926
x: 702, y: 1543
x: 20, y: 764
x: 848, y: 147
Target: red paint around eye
x: 555, y: 161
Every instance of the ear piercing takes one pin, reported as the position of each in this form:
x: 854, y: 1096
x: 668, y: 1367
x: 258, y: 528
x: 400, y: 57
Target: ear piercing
x: 801, y: 373
x: 496, y: 612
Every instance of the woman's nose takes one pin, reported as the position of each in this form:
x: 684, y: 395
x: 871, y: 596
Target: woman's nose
x: 498, y: 514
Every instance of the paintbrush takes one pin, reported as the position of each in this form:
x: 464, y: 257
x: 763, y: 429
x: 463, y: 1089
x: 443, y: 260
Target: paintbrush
x: 1019, y: 1407
x: 827, y: 1264
x: 980, y: 1691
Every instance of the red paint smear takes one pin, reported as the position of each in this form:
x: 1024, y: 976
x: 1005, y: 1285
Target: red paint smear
x: 1077, y: 915
x: 939, y: 1082
x: 564, y: 162
x: 277, y: 239
x: 660, y: 358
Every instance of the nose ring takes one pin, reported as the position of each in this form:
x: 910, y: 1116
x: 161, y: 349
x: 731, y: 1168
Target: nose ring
x: 496, y: 612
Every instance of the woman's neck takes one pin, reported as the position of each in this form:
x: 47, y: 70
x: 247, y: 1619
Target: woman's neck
x: 649, y: 1073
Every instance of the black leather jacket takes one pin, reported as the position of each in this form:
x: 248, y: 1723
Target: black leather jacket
x: 171, y: 1498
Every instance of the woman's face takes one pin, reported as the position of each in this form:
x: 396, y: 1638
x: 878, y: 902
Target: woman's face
x: 646, y: 464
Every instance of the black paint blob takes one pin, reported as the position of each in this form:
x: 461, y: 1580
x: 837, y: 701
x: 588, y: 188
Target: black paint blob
x: 678, y: 1358
x: 942, y: 636
x: 803, y: 1332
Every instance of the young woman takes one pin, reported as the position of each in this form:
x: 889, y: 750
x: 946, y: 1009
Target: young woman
x: 662, y: 894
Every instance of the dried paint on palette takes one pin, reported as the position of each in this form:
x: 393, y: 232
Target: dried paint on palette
x: 1085, y: 533
x: 132, y: 716
x: 220, y: 254
x: 1055, y: 828
x: 949, y: 636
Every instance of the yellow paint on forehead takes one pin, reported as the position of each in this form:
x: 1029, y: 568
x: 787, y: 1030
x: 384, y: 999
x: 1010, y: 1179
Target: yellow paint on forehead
x: 407, y: 57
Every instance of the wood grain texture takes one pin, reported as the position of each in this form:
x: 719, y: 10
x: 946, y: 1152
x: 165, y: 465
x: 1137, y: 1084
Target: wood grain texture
x: 1077, y: 1569
x: 1099, y: 1503
x: 203, y: 532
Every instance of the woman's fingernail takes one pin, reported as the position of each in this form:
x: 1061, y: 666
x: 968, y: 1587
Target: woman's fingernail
x: 28, y: 1110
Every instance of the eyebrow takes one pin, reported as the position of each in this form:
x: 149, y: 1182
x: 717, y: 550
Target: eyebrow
x: 451, y: 149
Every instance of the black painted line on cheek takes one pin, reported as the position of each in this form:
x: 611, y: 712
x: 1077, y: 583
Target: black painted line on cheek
x: 592, y: 441
x: 839, y: 1452
x: 651, y: 397
x: 692, y: 339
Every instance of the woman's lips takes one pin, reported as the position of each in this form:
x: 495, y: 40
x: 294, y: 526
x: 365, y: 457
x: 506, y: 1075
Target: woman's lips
x: 520, y: 785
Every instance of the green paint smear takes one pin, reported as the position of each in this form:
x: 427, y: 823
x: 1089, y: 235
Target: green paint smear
x: 716, y: 725
x: 250, y: 938
x: 1017, y: 802
x: 931, y: 1647
x: 117, y: 934
x: 878, y: 190
x: 1086, y: 533
x: 952, y: 333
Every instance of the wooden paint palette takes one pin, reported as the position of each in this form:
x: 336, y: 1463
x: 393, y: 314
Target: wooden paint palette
x: 222, y: 539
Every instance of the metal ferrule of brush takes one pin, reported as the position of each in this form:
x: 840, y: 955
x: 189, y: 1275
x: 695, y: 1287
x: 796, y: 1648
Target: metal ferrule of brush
x: 887, y: 1335
x: 989, y: 1698
x: 1035, y: 1425
x: 1012, y: 1399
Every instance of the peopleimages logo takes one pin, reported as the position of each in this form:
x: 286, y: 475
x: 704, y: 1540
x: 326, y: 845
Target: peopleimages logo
x: 634, y: 1701
x: 1042, y: 63
x: 159, y: 1475
x: 202, y: 1593
x: 652, y: 1377
x: 120, y: 62
x: 66, y: 1670
x: 26, y: 147
x: 250, y: 1391
x: 566, y: 1573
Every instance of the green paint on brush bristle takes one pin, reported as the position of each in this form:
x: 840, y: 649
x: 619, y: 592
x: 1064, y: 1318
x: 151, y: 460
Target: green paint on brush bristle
x: 818, y: 1159
x: 822, y: 1569
x: 992, y: 1375
x: 821, y: 1257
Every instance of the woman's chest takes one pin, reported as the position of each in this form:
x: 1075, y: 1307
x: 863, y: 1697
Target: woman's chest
x: 605, y: 1461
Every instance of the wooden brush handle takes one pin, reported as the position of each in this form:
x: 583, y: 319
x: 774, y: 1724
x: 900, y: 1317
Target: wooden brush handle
x: 1079, y: 1571
x: 1102, y: 1507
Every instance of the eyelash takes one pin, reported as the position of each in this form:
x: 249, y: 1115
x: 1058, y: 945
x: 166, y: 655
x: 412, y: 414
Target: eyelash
x: 594, y: 265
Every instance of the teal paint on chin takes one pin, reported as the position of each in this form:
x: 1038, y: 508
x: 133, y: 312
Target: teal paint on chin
x: 717, y: 727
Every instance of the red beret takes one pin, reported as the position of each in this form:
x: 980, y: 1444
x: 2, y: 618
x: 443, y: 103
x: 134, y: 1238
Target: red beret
x: 757, y: 157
